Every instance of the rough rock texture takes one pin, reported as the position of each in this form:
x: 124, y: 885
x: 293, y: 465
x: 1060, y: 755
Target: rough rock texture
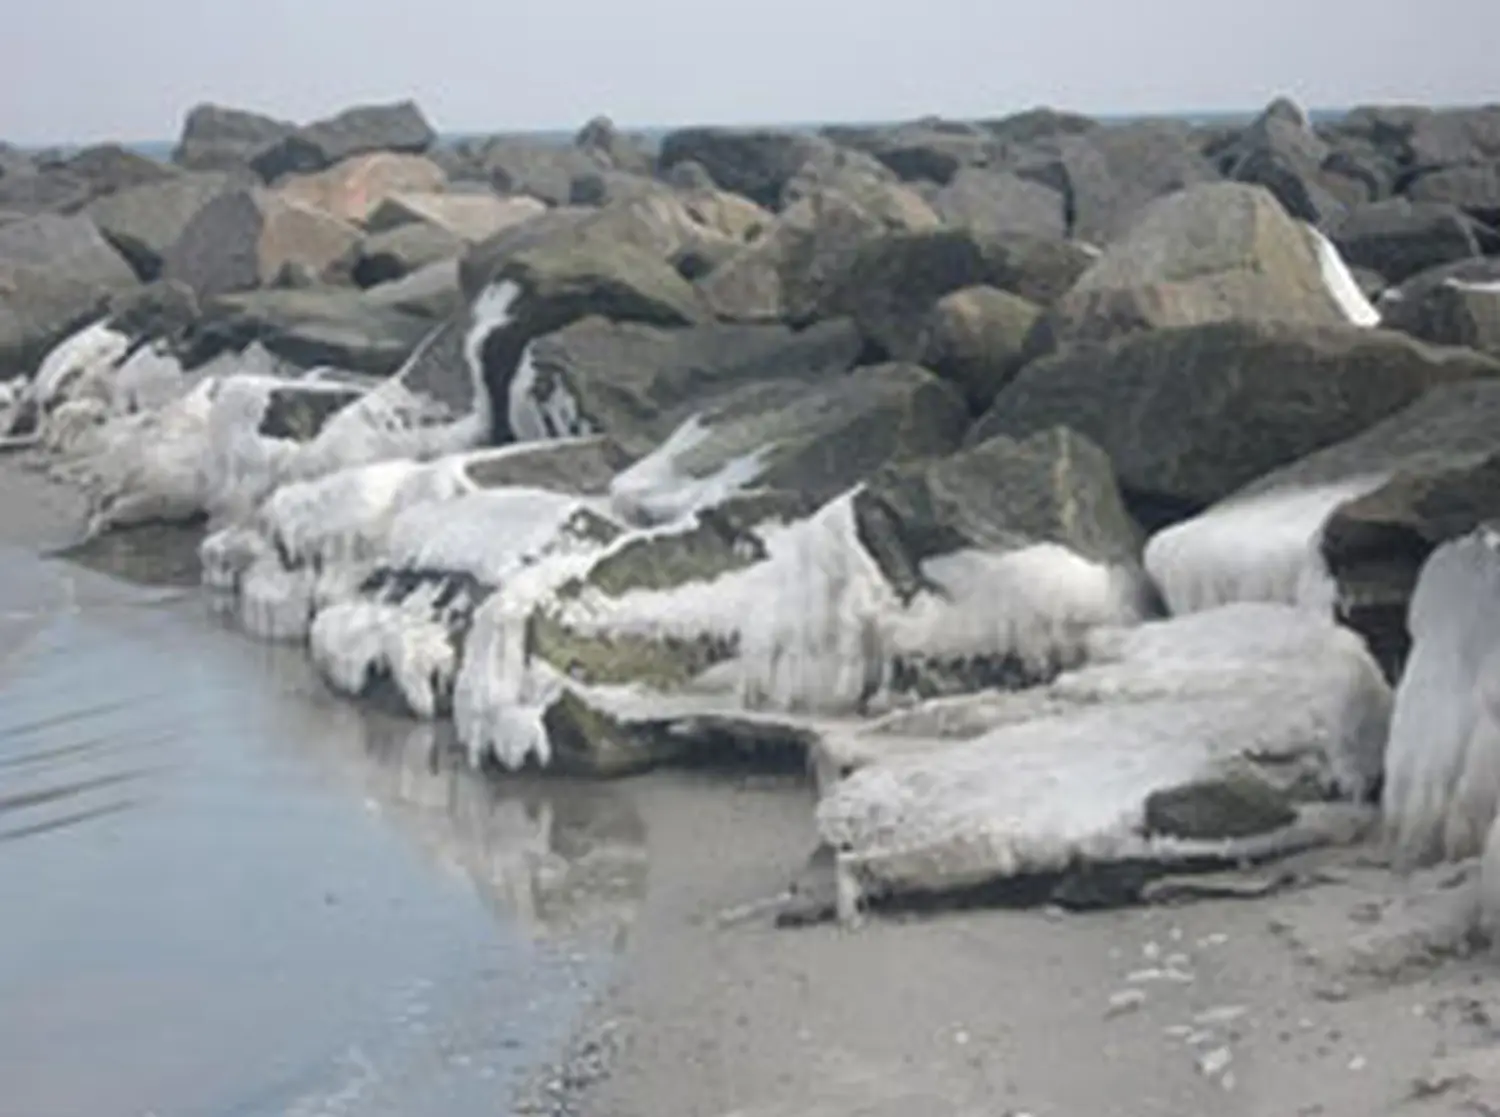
x: 470, y: 217
x: 637, y: 382
x: 309, y: 327
x: 215, y: 138
x: 398, y: 127
x: 144, y: 222
x: 975, y: 339
x: 1206, y: 254
x: 56, y: 273
x: 1189, y: 415
x: 1054, y: 487
x: 1109, y: 174
x: 1001, y: 202
x: 891, y: 284
x: 756, y: 163
x: 353, y: 188
x: 1281, y: 152
x: 1450, y: 312
x: 398, y: 252
x: 1399, y: 238
x: 784, y: 272
x: 244, y: 238
x: 1473, y: 189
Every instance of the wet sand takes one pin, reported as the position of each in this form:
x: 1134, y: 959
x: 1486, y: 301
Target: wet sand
x: 308, y: 913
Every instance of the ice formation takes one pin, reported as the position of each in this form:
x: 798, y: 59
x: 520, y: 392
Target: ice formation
x: 662, y: 488
x: 1442, y: 783
x: 813, y: 626
x: 1340, y: 282
x: 1165, y: 704
x: 1263, y: 546
x: 534, y: 416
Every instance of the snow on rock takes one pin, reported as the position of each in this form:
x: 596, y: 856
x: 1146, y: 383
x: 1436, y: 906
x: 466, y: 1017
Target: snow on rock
x: 1341, y: 283
x: 1441, y: 799
x: 1262, y: 546
x: 1260, y: 689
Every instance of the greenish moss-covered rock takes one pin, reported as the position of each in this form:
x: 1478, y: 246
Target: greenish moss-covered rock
x: 974, y: 338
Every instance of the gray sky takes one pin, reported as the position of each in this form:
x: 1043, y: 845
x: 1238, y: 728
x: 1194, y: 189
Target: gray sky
x: 81, y: 70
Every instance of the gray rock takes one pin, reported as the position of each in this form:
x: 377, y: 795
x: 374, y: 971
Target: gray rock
x: 1281, y: 152
x: 1212, y: 252
x: 1189, y: 415
x: 1452, y: 312
x: 1001, y: 202
x: 755, y: 163
x: 1236, y: 804
x: 517, y: 165
x: 430, y: 292
x: 600, y: 139
x: 1474, y: 189
x: 397, y: 252
x: 1110, y: 174
x: 637, y: 382
x: 56, y: 273
x: 307, y: 328
x: 975, y: 338
x: 215, y: 138
x: 144, y: 222
x: 243, y: 238
x: 1399, y: 238
x: 398, y: 126
x: 1041, y: 123
x: 890, y: 284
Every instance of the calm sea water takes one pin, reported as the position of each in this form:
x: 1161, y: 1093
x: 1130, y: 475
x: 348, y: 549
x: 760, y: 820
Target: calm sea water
x: 162, y: 149
x: 225, y: 892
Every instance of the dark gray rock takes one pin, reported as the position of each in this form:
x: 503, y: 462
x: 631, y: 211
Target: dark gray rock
x: 605, y: 143
x: 637, y: 382
x: 1190, y: 415
x: 1108, y: 175
x: 399, y: 126
x: 1054, y: 486
x: 326, y: 326
x: 1280, y: 151
x: 398, y: 252
x: 975, y: 339
x: 1001, y: 202
x: 56, y: 273
x: 1452, y: 312
x: 1399, y: 238
x: 1475, y: 189
x: 518, y: 165
x: 755, y: 163
x: 144, y: 222
x: 1042, y: 123
x: 890, y: 284
x: 215, y: 138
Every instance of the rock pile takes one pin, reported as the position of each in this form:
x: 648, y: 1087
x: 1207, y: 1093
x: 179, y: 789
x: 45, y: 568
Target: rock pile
x: 1056, y: 490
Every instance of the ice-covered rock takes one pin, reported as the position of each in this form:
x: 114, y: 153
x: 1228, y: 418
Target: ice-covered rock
x: 1346, y: 528
x: 1441, y: 799
x: 1259, y: 693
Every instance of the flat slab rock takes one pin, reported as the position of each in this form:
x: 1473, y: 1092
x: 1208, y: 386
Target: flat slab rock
x: 1095, y: 769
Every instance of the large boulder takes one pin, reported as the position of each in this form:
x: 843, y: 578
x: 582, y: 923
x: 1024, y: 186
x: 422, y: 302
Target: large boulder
x: 889, y: 286
x: 144, y: 222
x: 1399, y: 238
x: 215, y: 138
x: 1473, y: 189
x: 336, y: 327
x: 927, y: 150
x: 526, y: 166
x: 1109, y: 174
x: 353, y: 188
x: 1202, y: 741
x: 398, y: 127
x: 756, y: 163
x: 401, y: 251
x: 1001, y: 202
x: 1214, y: 252
x: 1281, y: 152
x: 1191, y: 414
x: 56, y: 273
x: 783, y: 273
x: 244, y: 239
x: 1453, y: 311
x: 469, y: 217
x: 975, y: 339
x: 816, y: 436
x: 637, y: 383
x: 1344, y: 530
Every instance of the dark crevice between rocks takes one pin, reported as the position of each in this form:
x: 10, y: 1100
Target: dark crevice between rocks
x: 1156, y: 511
